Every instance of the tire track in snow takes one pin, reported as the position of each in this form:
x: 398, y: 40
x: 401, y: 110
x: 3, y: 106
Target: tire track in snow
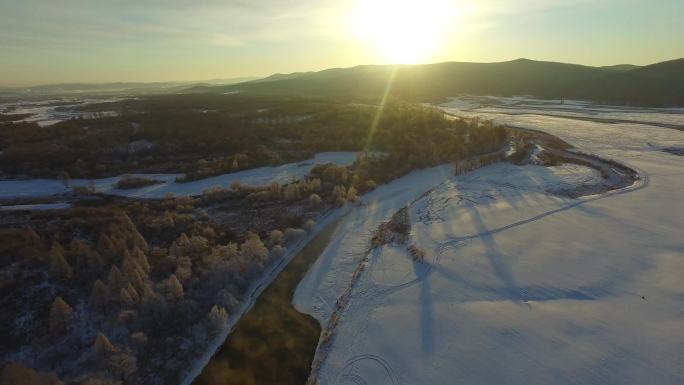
x: 372, y: 358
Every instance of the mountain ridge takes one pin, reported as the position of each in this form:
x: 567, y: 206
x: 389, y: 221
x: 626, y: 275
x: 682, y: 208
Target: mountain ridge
x: 659, y: 84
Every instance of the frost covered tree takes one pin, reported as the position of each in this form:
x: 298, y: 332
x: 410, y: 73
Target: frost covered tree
x: 315, y: 200
x: 309, y: 225
x: 292, y: 192
x: 220, y: 254
x: 275, y: 237
x: 339, y: 195
x: 61, y: 316
x: 216, y: 320
x: 226, y: 299
x: 352, y: 194
x: 277, y: 251
x: 253, y: 249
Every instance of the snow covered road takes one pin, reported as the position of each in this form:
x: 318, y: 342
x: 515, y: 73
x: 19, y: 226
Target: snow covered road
x: 518, y: 286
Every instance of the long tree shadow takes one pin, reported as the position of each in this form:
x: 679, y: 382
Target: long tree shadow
x: 495, y: 257
x: 426, y: 312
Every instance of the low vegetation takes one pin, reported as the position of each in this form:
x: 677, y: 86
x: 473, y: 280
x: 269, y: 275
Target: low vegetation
x: 132, y: 181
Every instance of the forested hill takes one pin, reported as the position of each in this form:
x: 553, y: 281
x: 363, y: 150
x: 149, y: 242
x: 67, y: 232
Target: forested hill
x: 659, y: 84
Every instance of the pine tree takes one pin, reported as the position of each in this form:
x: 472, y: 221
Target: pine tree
x: 175, y: 250
x: 105, y: 245
x: 133, y: 293
x: 115, y: 279
x: 141, y: 259
x: 139, y: 241
x: 103, y: 348
x: 61, y: 316
x: 173, y: 289
x: 183, y: 269
x: 59, y: 267
x: 99, y: 297
x: 125, y: 298
x: 183, y: 240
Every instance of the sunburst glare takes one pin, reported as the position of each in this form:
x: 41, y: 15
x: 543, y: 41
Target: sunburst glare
x: 403, y: 31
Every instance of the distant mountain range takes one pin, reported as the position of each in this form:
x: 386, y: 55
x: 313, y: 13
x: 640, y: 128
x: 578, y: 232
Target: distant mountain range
x: 120, y: 87
x: 660, y: 84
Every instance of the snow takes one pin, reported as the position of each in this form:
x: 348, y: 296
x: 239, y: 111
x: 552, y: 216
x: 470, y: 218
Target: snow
x: 519, y: 286
x: 51, y: 111
x: 260, y: 176
x: 487, y: 105
x: 38, y: 206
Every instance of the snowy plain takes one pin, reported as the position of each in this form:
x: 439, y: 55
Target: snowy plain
x: 518, y: 286
x: 51, y: 111
x: 259, y: 176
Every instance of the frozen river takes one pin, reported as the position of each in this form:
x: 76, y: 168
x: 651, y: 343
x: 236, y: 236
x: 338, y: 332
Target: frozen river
x: 260, y: 176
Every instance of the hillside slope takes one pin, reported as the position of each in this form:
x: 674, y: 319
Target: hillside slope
x: 654, y: 85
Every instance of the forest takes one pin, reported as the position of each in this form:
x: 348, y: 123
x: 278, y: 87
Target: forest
x: 205, y: 135
x: 118, y: 290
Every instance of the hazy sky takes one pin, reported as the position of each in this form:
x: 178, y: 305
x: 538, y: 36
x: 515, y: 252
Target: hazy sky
x: 49, y: 41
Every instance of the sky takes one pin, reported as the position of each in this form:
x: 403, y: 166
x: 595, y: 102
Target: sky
x: 57, y: 41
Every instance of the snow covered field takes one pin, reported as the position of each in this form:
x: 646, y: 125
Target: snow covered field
x: 51, y: 111
x: 518, y: 286
x: 468, y: 105
x: 254, y: 177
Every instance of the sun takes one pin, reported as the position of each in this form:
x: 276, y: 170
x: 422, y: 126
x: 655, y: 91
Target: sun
x: 402, y: 31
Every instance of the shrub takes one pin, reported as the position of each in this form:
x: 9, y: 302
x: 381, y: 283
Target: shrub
x: 132, y: 181
x: 292, y: 235
x: 309, y: 225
